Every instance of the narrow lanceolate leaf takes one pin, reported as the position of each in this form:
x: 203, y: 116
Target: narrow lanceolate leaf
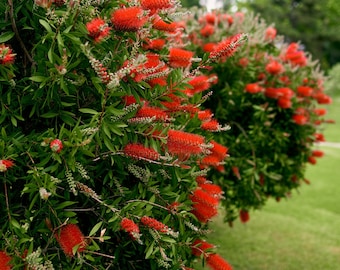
x: 6, y: 37
x: 95, y: 228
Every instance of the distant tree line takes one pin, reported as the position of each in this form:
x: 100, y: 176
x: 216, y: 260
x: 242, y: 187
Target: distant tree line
x: 314, y: 23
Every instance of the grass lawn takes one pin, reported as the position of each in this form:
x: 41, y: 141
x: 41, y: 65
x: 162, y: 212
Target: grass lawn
x: 300, y: 233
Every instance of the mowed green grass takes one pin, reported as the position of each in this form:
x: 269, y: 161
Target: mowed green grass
x: 300, y: 233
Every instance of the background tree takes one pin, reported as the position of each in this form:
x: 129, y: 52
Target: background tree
x: 312, y: 22
x: 190, y: 3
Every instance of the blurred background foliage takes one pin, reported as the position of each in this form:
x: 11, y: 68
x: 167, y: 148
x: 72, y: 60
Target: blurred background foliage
x: 312, y: 22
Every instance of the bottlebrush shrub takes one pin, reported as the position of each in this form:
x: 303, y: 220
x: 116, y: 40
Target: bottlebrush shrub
x: 269, y: 92
x: 103, y: 152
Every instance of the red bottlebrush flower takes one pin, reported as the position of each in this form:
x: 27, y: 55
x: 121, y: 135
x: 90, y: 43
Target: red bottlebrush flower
x: 244, y: 216
x: 274, y: 67
x: 284, y: 103
x: 322, y: 98
x: 285, y: 80
x: 149, y: 112
x: 209, y: 47
x: 227, y: 47
x: 319, y: 137
x: 157, y: 81
x: 200, y: 247
x: 207, y: 30
x: 286, y: 92
x: 4, y: 261
x: 306, y: 181
x: 204, y: 204
x: 211, y: 189
x: 201, y: 180
x: 219, y: 150
x: 227, y: 18
x: 199, y: 84
x: 270, y: 33
x: 211, y: 125
x: 183, y: 150
x: 216, y: 262
x: 205, y: 115
x: 210, y: 160
x: 253, y: 88
x: 155, y: 5
x: 203, y: 197
x: 155, y: 44
x: 317, y: 153
x: 5, y: 164
x: 154, y: 224
x: 204, y: 212
x: 236, y: 172
x: 130, y: 227
x: 185, y: 138
x: 184, y: 144
x: 56, y: 145
x: 161, y: 25
x: 139, y: 151
x: 300, y: 119
x: 69, y: 237
x: 294, y: 56
x: 330, y: 121
x: 312, y: 160
x: 271, y: 92
x: 179, y: 58
x: 6, y: 55
x: 98, y: 29
x: 304, y: 91
x: 210, y: 18
x: 243, y: 62
x: 128, y: 100
x: 320, y: 111
x: 128, y: 19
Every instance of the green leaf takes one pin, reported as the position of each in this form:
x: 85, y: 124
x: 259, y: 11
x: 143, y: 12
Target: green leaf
x: 49, y: 115
x: 37, y: 78
x: 14, y: 121
x: 6, y: 36
x: 46, y: 25
x: 95, y: 228
x: 15, y: 223
x: 88, y: 110
x: 149, y: 250
x: 64, y: 204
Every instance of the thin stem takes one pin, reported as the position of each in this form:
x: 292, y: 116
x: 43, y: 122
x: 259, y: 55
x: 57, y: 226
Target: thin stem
x: 154, y: 204
x: 7, y: 202
x: 16, y: 32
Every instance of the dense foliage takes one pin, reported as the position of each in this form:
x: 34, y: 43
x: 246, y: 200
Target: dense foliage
x: 313, y: 22
x: 100, y: 143
x: 269, y: 93
x: 105, y: 146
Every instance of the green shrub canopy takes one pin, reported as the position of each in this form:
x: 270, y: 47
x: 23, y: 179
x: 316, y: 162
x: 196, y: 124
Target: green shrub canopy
x: 107, y: 155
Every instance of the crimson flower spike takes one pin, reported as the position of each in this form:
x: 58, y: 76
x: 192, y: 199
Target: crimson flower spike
x: 216, y: 262
x: 155, y: 5
x: 139, y: 151
x: 131, y: 228
x: 128, y: 19
x: 70, y: 237
x: 226, y: 48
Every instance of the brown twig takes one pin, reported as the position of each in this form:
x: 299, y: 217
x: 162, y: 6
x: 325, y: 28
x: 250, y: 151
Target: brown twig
x: 7, y: 202
x: 16, y: 32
